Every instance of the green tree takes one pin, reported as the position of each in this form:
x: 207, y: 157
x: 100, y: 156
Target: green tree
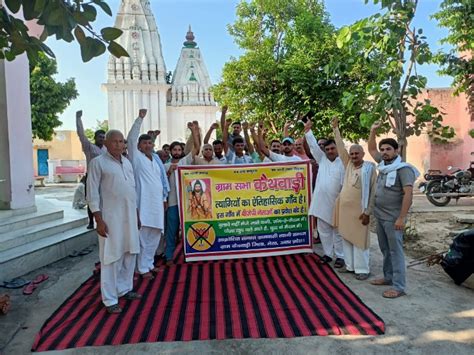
x: 458, y: 17
x: 103, y: 125
x: 392, y: 48
x: 67, y: 20
x: 288, y: 47
x: 48, y: 97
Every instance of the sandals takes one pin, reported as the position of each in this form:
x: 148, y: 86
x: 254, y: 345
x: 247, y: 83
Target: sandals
x: 325, y: 259
x: 393, y: 293
x: 339, y: 263
x: 114, y: 309
x: 381, y: 282
x: 15, y: 283
x: 130, y: 296
x: 147, y: 276
x: 361, y: 277
x: 33, y: 285
x: 82, y: 252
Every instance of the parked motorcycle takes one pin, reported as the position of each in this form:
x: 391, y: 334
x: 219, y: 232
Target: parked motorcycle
x: 441, y: 188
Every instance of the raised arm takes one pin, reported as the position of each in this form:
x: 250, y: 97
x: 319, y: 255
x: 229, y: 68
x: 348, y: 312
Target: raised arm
x: 223, y: 113
x: 225, y: 134
x: 341, y: 149
x: 261, y: 140
x: 132, y: 137
x: 250, y: 147
x: 372, y: 144
x: 188, y: 147
x: 213, y: 127
x: 196, y: 138
x: 286, y: 128
x: 86, y: 144
x: 316, y: 152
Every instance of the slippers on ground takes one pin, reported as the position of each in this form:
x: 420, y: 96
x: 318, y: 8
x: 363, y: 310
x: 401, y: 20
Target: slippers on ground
x: 29, y: 289
x: 15, y: 283
x: 82, y: 252
x: 380, y: 282
x: 85, y: 251
x: 393, y: 294
x: 33, y: 285
x: 40, y: 278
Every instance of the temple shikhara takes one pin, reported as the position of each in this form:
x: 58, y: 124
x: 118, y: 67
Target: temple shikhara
x: 142, y: 81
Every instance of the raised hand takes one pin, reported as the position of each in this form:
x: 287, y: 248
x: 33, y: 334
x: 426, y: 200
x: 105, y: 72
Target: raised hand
x: 308, y: 125
x: 376, y: 125
x: 287, y: 125
x: 228, y: 122
x: 224, y: 109
x: 335, y: 122
x: 156, y: 132
x: 215, y: 125
x: 79, y: 114
x: 252, y: 126
x: 245, y: 125
x: 142, y: 113
x: 190, y: 125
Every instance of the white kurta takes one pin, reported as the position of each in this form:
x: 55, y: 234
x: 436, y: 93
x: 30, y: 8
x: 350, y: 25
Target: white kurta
x: 328, y: 183
x: 149, y: 184
x: 111, y: 190
x: 283, y: 158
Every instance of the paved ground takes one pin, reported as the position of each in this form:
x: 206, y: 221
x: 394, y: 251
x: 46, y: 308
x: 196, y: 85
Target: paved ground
x: 435, y: 317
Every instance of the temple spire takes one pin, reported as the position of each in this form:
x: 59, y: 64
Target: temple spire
x: 189, y: 43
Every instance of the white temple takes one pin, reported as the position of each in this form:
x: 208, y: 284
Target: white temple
x: 141, y: 81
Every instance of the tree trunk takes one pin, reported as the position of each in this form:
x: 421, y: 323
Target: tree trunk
x: 402, y: 147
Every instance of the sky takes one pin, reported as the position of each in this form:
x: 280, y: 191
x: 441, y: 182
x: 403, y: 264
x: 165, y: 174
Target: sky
x: 209, y: 20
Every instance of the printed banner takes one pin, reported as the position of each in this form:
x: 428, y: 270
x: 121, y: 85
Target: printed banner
x: 244, y: 211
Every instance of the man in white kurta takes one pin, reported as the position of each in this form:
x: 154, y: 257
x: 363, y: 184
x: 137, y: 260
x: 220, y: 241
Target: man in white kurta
x: 328, y: 186
x: 354, y: 206
x: 112, y: 199
x: 150, y: 176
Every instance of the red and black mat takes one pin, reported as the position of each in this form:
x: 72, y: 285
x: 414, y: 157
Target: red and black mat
x: 274, y: 297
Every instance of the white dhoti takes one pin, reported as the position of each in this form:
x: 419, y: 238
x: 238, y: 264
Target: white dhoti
x: 149, y: 241
x: 356, y: 259
x: 116, y: 279
x: 330, y: 239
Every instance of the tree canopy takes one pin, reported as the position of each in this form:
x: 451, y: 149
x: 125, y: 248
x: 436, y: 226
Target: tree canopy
x: 394, y: 94
x: 48, y: 98
x: 283, y: 73
x: 65, y: 19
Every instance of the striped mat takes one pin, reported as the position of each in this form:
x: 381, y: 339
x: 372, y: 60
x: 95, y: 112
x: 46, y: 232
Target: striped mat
x: 273, y: 297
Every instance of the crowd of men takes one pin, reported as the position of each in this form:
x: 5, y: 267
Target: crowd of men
x: 132, y: 196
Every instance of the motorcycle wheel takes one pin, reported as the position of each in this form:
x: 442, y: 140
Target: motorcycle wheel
x: 435, y: 187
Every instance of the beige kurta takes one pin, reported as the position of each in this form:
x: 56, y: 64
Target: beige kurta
x: 111, y: 190
x: 348, y: 206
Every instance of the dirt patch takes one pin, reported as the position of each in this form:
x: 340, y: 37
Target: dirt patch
x: 430, y: 233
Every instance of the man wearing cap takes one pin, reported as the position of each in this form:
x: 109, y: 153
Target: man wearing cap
x: 288, y: 144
